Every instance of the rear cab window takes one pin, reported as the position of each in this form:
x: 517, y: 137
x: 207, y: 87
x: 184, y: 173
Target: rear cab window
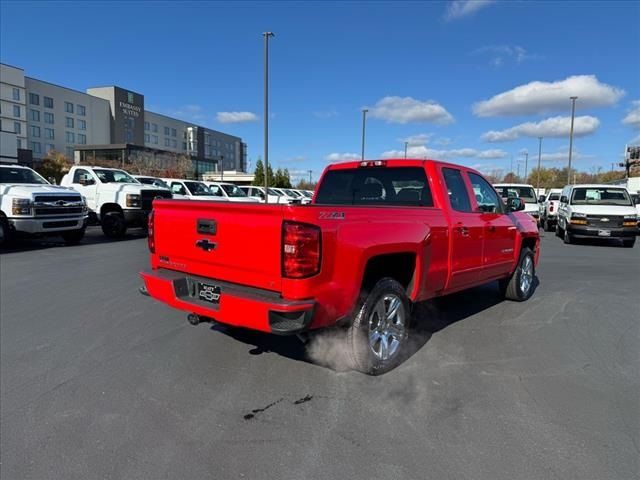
x: 456, y: 189
x: 384, y: 186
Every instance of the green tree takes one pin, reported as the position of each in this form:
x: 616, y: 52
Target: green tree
x: 286, y: 178
x: 54, y: 166
x: 271, y: 176
x: 258, y: 174
x: 279, y: 180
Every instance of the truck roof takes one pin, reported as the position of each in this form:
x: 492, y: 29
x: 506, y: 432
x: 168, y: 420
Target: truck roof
x: 512, y: 185
x: 394, y: 162
x: 596, y: 185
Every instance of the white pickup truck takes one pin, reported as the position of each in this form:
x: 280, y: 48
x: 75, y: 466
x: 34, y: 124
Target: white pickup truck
x: 115, y: 199
x: 523, y: 191
x: 29, y: 205
x: 549, y: 209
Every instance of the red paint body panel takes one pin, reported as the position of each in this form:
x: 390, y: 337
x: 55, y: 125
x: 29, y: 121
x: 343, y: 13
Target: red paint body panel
x: 248, y: 250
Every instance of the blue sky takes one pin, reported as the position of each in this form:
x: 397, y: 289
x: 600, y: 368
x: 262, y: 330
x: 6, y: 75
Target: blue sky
x: 471, y: 82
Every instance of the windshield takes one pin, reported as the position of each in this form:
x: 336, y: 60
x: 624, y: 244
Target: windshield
x: 307, y: 194
x: 153, y: 181
x: 21, y: 175
x: 114, y: 176
x: 600, y: 196
x: 526, y: 193
x: 233, y: 190
x: 197, y: 188
x: 554, y: 196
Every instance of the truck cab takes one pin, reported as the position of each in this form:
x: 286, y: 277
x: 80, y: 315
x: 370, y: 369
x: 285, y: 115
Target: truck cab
x: 549, y: 209
x: 31, y: 206
x: 229, y: 191
x: 191, y: 190
x: 524, y: 191
x: 116, y: 200
x: 597, y: 211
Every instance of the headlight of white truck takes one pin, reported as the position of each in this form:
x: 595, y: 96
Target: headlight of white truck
x: 21, y: 206
x: 578, y: 215
x: 630, y: 221
x: 133, y: 200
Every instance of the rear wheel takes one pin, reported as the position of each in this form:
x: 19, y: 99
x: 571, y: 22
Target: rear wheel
x: 73, y: 237
x: 519, y: 286
x: 379, y: 332
x: 113, y: 225
x: 628, y: 242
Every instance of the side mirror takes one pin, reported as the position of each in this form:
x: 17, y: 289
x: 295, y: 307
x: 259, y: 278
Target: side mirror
x: 515, y: 204
x: 541, y: 198
x: 563, y: 199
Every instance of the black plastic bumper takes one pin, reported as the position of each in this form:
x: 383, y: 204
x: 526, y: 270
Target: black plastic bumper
x: 136, y: 218
x: 587, y: 231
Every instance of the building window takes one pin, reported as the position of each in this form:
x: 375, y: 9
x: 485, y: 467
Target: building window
x: 48, y: 117
x: 154, y: 127
x: 68, y: 107
x: 128, y: 135
x: 147, y: 138
x: 71, y: 137
x: 36, y: 147
x: 16, y: 94
x: 35, y: 131
x: 82, y: 139
x: 48, y: 102
x: 174, y: 143
x: 69, y: 151
x: 34, y: 99
x: 16, y: 111
x: 69, y: 122
x: 49, y: 147
x: 82, y: 124
x: 19, y: 143
x: 167, y: 130
x: 154, y: 139
x: 48, y: 133
x: 34, y: 115
x: 82, y: 111
x: 174, y: 132
x: 146, y: 126
x: 184, y: 145
x: 17, y: 127
x: 167, y: 142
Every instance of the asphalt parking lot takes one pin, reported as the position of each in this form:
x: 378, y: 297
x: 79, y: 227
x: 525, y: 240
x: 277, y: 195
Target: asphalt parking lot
x: 99, y: 382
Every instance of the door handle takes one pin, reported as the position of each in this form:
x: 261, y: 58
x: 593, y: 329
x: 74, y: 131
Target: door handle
x: 206, y: 245
x: 462, y: 230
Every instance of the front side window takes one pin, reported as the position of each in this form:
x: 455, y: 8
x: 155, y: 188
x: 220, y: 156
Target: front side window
x: 48, y: 102
x: 68, y: 107
x: 457, y: 190
x: 600, y: 196
x: 48, y: 117
x: 399, y: 186
x: 486, y: 197
x: 34, y: 99
x: 178, y: 188
x: 113, y: 176
x: 82, y: 111
x: 34, y: 115
x: 197, y: 188
x: 80, y: 173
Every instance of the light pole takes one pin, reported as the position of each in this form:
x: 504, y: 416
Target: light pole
x: 573, y: 114
x: 310, y: 172
x: 222, y: 168
x: 364, y: 122
x: 539, y: 159
x: 526, y: 165
x: 406, y: 144
x: 266, y: 36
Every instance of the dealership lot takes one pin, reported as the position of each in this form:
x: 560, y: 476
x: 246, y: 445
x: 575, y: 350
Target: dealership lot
x: 98, y: 381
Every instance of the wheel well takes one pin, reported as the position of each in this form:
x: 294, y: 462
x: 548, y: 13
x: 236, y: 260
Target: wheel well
x: 529, y: 242
x: 399, y: 266
x: 109, y: 207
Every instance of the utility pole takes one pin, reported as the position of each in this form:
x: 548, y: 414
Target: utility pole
x: 310, y: 172
x: 573, y: 114
x: 406, y: 144
x: 364, y: 121
x: 511, y: 165
x: 222, y: 168
x: 266, y: 36
x: 539, y: 160
x: 526, y: 165
x: 518, y: 165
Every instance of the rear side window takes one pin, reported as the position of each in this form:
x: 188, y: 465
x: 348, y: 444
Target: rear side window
x: 457, y: 190
x: 401, y: 186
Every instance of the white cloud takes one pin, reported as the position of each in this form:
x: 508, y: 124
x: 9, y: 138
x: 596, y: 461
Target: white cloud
x: 326, y: 114
x: 419, y: 139
x: 551, y: 127
x: 463, y: 8
x: 410, y: 110
x: 342, y: 157
x: 543, y: 97
x: 499, y: 54
x: 422, y: 151
x: 633, y: 117
x: 236, y: 117
x: 190, y: 113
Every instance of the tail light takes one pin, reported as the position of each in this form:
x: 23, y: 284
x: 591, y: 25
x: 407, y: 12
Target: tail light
x: 551, y: 207
x: 151, y: 234
x: 301, y: 250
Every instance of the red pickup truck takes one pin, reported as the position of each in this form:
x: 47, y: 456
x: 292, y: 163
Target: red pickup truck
x: 377, y: 237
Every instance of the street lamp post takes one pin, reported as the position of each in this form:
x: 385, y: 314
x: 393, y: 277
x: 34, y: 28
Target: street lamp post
x: 406, y: 144
x: 222, y: 168
x: 539, y: 159
x: 266, y: 36
x: 573, y: 114
x: 526, y: 165
x: 364, y: 122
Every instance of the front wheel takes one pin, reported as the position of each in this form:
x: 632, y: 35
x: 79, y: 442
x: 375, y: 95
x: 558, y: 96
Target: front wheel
x: 113, y: 225
x: 379, y: 332
x: 567, y: 238
x: 628, y: 242
x: 519, y: 286
x: 72, y: 237
x: 5, y: 232
x: 558, y: 230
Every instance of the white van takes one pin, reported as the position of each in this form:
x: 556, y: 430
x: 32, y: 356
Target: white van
x: 229, y: 191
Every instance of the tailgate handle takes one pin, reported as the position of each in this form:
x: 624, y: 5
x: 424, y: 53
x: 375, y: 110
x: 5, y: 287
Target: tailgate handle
x: 207, y: 226
x: 206, y: 245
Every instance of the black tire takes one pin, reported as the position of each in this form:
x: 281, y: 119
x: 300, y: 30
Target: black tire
x: 113, y: 225
x: 73, y: 237
x: 368, y: 358
x: 558, y: 230
x: 5, y: 233
x: 512, y: 287
x: 547, y: 226
x: 566, y: 237
x: 628, y: 242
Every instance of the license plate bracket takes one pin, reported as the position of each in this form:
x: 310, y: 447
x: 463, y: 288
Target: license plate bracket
x: 604, y: 233
x: 208, y: 293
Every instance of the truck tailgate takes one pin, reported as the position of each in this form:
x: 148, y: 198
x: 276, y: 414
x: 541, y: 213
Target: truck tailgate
x: 232, y: 242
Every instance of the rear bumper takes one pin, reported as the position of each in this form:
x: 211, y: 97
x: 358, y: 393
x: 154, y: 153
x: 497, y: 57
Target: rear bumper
x: 580, y: 231
x: 238, y: 305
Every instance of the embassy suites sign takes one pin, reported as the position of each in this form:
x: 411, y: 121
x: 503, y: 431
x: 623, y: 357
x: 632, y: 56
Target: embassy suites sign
x: 128, y: 108
x: 128, y: 124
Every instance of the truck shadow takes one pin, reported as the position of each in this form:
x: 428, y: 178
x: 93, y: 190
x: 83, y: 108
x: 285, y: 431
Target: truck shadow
x: 429, y: 318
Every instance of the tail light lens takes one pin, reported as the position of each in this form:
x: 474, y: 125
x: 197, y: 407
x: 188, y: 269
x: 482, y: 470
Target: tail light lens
x: 301, y: 250
x: 551, y: 207
x: 151, y: 234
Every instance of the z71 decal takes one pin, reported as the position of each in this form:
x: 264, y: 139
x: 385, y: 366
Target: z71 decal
x: 331, y: 216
